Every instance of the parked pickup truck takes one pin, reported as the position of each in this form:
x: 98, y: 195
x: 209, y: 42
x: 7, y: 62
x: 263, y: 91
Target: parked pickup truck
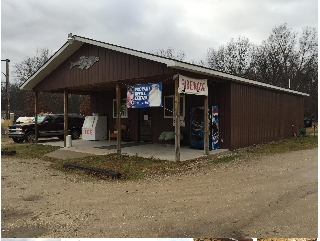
x: 49, y: 125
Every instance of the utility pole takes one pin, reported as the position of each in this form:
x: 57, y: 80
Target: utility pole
x: 7, y: 89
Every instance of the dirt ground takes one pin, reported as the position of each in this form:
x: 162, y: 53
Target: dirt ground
x: 271, y: 196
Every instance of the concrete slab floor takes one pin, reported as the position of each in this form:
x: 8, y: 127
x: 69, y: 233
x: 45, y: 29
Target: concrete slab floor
x: 143, y: 149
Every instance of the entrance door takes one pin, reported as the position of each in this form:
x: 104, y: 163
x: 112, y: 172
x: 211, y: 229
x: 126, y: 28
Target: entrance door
x: 145, y: 125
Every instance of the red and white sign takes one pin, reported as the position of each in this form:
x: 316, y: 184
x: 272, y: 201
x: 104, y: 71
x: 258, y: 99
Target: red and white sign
x: 192, y: 86
x: 87, y: 131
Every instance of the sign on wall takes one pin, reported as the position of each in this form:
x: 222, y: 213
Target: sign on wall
x: 85, y: 62
x: 144, y: 95
x: 192, y: 86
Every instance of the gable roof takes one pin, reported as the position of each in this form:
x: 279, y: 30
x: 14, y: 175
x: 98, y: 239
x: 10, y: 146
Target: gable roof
x: 77, y: 41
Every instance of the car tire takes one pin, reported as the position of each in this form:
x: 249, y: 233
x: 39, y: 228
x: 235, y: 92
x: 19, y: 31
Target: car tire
x: 75, y: 134
x: 16, y: 140
x: 30, y: 136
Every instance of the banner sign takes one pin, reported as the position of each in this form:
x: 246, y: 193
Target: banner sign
x: 192, y: 86
x: 144, y: 95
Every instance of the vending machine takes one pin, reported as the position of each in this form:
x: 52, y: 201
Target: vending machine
x: 215, y: 128
x: 197, y: 128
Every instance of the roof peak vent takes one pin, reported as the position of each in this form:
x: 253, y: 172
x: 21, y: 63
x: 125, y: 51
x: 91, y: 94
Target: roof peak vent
x: 70, y: 38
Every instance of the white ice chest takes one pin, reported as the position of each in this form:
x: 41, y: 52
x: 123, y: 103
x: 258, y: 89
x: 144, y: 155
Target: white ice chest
x: 95, y: 128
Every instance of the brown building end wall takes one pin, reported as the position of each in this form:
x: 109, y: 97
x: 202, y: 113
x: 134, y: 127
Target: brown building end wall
x: 261, y: 115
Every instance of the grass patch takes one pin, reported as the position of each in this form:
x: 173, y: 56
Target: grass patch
x: 281, y: 146
x: 131, y: 167
x: 228, y: 157
x: 25, y: 150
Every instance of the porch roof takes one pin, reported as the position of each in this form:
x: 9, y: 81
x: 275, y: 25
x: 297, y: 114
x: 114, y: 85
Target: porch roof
x: 75, y: 42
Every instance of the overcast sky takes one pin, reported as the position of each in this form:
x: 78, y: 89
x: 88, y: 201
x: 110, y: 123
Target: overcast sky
x: 189, y: 26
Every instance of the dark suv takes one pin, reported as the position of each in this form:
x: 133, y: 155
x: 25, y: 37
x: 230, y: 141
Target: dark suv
x: 49, y: 125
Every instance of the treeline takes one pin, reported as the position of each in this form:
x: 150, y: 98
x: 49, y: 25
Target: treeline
x: 286, y: 59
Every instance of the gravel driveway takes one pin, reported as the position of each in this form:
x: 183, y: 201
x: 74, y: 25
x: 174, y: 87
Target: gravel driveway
x: 271, y: 196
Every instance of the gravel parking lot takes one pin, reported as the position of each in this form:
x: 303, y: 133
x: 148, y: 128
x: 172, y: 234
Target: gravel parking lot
x: 271, y: 196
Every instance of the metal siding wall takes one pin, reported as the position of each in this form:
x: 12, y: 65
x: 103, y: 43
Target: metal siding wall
x: 225, y: 115
x: 260, y: 115
x: 219, y: 95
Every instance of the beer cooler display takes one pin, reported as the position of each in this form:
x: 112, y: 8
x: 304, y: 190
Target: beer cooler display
x: 214, y: 128
x: 197, y: 128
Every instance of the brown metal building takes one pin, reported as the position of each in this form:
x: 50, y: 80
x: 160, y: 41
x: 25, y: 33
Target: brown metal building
x: 249, y: 112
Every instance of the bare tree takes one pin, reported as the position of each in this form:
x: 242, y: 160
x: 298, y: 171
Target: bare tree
x: 24, y: 70
x: 275, y: 61
x: 21, y: 73
x: 234, y: 58
x: 170, y: 53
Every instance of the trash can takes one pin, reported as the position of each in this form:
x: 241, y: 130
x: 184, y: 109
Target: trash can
x: 68, y: 141
x: 307, y: 123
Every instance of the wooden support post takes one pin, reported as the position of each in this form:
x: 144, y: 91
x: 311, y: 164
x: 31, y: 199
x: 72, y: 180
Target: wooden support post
x: 177, y: 119
x: 206, y: 126
x: 65, y: 117
x: 36, y: 116
x: 7, y: 90
x: 118, y: 97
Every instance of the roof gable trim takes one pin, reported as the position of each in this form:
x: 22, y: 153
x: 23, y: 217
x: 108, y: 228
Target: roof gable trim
x: 126, y: 50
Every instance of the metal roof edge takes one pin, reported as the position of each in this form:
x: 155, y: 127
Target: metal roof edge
x: 210, y: 72
x: 133, y: 52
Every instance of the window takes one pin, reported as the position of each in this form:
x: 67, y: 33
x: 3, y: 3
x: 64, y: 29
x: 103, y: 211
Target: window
x: 50, y: 119
x: 124, y: 110
x: 169, y: 106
